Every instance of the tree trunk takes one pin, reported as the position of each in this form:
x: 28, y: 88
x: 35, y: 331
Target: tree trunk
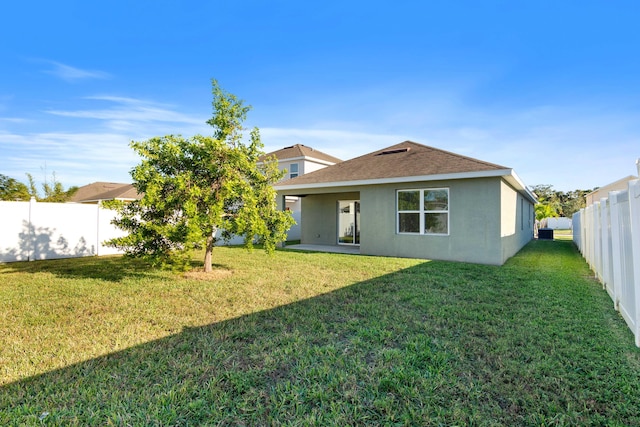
x: 208, y: 254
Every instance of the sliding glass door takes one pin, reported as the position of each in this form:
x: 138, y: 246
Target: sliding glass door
x: 349, y: 222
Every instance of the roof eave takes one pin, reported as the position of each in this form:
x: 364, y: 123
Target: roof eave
x: 395, y: 180
x: 517, y: 183
x: 508, y: 174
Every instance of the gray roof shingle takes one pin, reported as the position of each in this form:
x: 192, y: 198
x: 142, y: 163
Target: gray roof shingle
x: 300, y: 150
x: 405, y: 159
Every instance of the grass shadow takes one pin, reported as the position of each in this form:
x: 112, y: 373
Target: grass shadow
x: 440, y: 343
x: 110, y: 268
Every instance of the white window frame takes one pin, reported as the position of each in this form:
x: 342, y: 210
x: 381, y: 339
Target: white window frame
x: 422, y: 211
x: 292, y: 173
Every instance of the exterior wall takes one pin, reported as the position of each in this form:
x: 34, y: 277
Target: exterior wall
x: 320, y: 217
x: 304, y: 166
x: 284, y: 164
x: 474, y: 228
x: 488, y: 221
x: 517, y: 219
x: 310, y: 166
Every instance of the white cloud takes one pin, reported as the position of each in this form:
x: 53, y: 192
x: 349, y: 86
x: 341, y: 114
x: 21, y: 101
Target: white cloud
x: 70, y: 74
x: 77, y: 158
x: 569, y: 147
x: 13, y: 120
x: 138, y: 116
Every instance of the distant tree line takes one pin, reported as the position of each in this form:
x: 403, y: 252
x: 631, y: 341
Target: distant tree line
x: 558, y: 203
x: 13, y: 190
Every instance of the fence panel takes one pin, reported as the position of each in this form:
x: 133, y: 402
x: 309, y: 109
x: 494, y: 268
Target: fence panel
x: 608, y: 236
x: 576, y: 222
x: 624, y: 266
x: 36, y: 231
x: 597, y: 240
x: 634, y: 215
x: 14, y: 218
x: 61, y: 230
x: 606, y: 275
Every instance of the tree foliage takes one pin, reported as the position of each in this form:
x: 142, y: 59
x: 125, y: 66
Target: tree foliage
x: 557, y: 203
x: 195, y: 187
x: 12, y: 189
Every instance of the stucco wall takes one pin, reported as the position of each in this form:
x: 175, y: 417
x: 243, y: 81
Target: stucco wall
x: 320, y: 221
x: 517, y: 218
x: 474, y: 229
x: 485, y: 221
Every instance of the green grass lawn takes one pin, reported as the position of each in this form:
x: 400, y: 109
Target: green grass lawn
x: 563, y: 234
x: 315, y: 339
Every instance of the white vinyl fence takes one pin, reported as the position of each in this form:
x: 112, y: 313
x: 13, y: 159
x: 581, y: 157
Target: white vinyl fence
x: 608, y: 236
x: 33, y: 231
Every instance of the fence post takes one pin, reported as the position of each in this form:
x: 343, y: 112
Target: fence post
x: 605, y: 223
x: 597, y: 239
x: 616, y: 248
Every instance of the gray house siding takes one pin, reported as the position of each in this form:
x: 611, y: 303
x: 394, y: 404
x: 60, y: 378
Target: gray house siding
x: 474, y: 223
x: 517, y: 219
x: 320, y: 217
x: 489, y: 221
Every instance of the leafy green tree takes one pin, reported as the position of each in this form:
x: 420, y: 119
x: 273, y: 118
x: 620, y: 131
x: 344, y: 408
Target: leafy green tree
x: 54, y: 192
x: 194, y: 187
x: 12, y: 189
x: 545, y: 211
x: 557, y: 203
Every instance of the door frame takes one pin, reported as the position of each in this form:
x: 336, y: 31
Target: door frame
x: 356, y: 222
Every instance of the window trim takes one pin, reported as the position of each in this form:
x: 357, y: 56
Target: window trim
x: 422, y: 211
x: 296, y: 173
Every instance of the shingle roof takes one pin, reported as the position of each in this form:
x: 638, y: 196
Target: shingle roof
x: 299, y: 150
x: 105, y: 191
x: 405, y: 159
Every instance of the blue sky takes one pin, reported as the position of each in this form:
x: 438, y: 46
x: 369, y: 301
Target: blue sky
x: 548, y: 88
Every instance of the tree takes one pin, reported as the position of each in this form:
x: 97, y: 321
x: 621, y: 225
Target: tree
x: 12, y: 189
x: 194, y: 187
x: 53, y: 193
x: 557, y: 203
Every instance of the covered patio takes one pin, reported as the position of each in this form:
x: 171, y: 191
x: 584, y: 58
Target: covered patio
x: 338, y: 249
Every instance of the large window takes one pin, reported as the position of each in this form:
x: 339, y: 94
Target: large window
x: 424, y: 211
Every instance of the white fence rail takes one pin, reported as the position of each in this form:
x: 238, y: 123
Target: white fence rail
x: 34, y: 231
x: 608, y: 236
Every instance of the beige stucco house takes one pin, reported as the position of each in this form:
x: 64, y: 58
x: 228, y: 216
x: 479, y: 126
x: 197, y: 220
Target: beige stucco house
x: 411, y: 200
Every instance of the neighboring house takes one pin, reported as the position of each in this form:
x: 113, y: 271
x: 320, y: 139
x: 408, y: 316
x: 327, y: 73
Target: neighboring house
x: 603, y: 192
x: 410, y: 200
x: 100, y: 191
x: 297, y: 160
